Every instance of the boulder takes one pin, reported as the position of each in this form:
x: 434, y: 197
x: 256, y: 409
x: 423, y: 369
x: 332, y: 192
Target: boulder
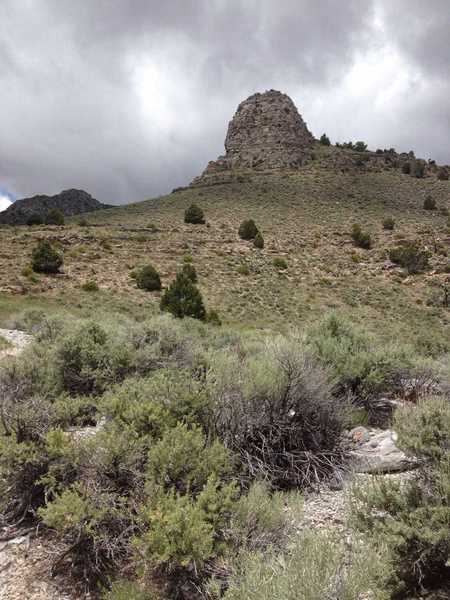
x: 375, y: 451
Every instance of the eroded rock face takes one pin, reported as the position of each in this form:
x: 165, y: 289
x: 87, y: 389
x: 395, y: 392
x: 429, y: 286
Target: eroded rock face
x: 266, y: 132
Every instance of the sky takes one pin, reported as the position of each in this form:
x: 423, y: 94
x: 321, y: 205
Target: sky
x: 128, y: 99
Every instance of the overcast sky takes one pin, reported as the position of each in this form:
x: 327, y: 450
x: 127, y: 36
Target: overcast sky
x: 130, y: 98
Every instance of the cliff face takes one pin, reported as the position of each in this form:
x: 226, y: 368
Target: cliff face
x: 69, y: 202
x: 266, y: 132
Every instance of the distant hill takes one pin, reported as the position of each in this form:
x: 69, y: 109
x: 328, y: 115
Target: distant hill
x: 69, y: 202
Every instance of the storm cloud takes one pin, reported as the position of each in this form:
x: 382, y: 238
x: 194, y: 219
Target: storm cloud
x: 130, y: 98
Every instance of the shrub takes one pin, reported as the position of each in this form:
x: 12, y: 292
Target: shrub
x: 243, y: 269
x: 54, y: 217
x: 357, y: 364
x: 147, y: 278
x: 183, y: 461
x: 412, y: 519
x: 260, y: 519
x: 443, y: 174
x: 35, y: 219
x: 258, y: 242
x: 194, y: 215
x: 280, y: 263
x: 45, y: 259
x: 314, y: 568
x: 90, y: 286
x: 88, y: 360
x: 410, y: 256
x: 406, y: 168
x: 183, y: 299
x: 83, y: 222
x: 281, y: 420
x: 183, y: 531
x: 212, y: 317
x: 189, y: 271
x: 324, y: 140
x: 248, y: 230
x: 92, y: 521
x: 360, y: 146
x: 429, y: 203
x: 388, y: 223
x: 361, y: 238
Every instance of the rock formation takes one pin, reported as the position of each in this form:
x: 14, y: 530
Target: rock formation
x: 266, y: 132
x: 69, y: 202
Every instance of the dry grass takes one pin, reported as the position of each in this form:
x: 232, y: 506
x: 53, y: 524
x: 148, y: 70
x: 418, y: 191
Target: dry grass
x: 305, y: 217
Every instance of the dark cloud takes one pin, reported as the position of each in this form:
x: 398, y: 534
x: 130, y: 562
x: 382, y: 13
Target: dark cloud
x: 129, y: 98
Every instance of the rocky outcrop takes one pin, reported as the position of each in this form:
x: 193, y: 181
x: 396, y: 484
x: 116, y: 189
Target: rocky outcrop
x: 375, y: 451
x: 69, y: 202
x: 266, y: 132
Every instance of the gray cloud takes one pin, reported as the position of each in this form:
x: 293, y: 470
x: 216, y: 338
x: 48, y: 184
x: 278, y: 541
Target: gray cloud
x: 128, y: 99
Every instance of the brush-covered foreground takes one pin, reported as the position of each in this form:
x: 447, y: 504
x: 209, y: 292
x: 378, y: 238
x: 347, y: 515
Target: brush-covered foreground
x: 167, y: 458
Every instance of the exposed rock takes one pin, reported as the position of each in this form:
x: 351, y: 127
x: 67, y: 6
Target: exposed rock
x: 266, y: 132
x: 69, y: 202
x: 18, y: 340
x: 375, y: 451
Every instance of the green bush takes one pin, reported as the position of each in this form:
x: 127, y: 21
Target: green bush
x: 90, y: 286
x: 35, y: 219
x: 410, y: 256
x: 189, y: 271
x: 45, y: 259
x: 429, y: 203
x: 248, y: 230
x: 54, y: 217
x: 243, y: 269
x: 388, y: 223
x: 358, y: 365
x: 360, y: 146
x: 92, y: 521
x: 262, y: 519
x: 258, y: 242
x: 183, y: 531
x: 324, y: 140
x: 280, y: 263
x: 183, y: 299
x: 147, y: 278
x: 361, y: 238
x: 313, y: 569
x: 89, y: 360
x: 194, y: 214
x: 412, y: 519
x: 129, y: 590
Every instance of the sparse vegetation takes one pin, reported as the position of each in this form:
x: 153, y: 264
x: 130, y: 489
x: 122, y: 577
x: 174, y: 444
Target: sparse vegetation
x: 443, y: 174
x: 410, y: 256
x: 280, y: 263
x: 388, y: 223
x: 90, y: 286
x: 361, y: 239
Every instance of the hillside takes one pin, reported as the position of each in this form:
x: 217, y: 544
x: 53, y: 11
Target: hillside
x: 305, y: 217
x: 69, y: 202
